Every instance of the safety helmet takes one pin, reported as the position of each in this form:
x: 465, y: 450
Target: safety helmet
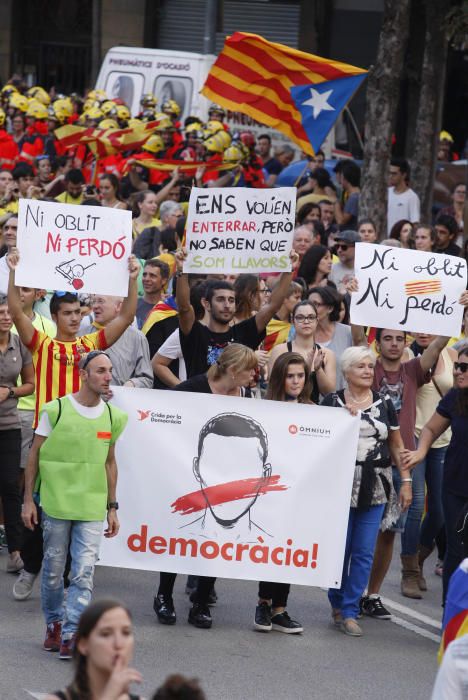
x: 213, y: 126
x: 8, y: 90
x: 18, y: 101
x: 194, y: 126
x: 94, y: 113
x: 2, y: 117
x: 445, y: 136
x: 164, y: 120
x: 247, y: 138
x: 214, y: 108
x: 63, y: 106
x: 108, y: 124
x: 38, y: 93
x: 123, y: 112
x: 148, y: 115
x: 109, y: 108
x: 37, y: 110
x: 90, y: 103
x: 154, y: 144
x: 148, y: 100
x: 170, y: 107
x: 97, y: 95
x: 235, y: 154
x: 217, y: 143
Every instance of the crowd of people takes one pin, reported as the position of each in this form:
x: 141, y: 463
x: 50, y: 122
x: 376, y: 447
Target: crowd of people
x: 280, y: 337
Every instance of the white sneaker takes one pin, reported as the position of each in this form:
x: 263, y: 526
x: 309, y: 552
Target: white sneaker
x: 23, y: 585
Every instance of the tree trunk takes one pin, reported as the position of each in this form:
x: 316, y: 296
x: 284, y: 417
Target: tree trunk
x: 382, y: 99
x: 431, y: 98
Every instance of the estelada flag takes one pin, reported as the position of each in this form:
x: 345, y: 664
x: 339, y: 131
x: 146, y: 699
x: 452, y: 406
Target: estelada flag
x: 455, y: 622
x: 296, y: 93
x: 159, y: 312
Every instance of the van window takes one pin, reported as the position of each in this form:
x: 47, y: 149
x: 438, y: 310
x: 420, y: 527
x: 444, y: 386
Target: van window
x: 127, y: 86
x: 171, y: 87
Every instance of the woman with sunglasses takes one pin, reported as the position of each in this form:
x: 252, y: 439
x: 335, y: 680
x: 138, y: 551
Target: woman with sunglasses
x: 452, y: 412
x: 320, y: 361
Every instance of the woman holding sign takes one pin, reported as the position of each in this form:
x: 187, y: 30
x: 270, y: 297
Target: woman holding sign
x: 452, y: 411
x: 379, y: 445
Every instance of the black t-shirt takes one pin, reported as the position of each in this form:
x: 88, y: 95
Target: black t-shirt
x: 202, y: 347
x: 455, y: 478
x: 198, y: 385
x: 273, y: 166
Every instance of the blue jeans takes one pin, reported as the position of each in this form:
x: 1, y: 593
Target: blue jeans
x: 434, y: 518
x: 412, y: 518
x: 363, y: 528
x: 84, y: 538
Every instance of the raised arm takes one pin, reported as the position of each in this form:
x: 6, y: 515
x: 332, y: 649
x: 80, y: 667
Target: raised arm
x: 431, y: 353
x: 23, y: 324
x: 186, y: 312
x: 115, y: 328
x: 278, y: 295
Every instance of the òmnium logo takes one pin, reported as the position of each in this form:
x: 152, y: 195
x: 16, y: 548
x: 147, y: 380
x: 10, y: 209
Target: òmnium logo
x: 309, y: 430
x: 157, y: 417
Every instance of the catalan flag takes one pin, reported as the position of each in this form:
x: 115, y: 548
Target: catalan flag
x: 455, y: 623
x: 282, y: 87
x: 277, y: 332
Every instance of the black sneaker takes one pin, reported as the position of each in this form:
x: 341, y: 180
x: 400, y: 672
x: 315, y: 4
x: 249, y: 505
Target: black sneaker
x: 283, y: 623
x: 373, y: 607
x: 212, y: 598
x: 163, y: 606
x: 200, y: 616
x: 262, y: 621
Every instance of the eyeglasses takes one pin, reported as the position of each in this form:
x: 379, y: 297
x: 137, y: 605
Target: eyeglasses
x: 91, y: 355
x: 302, y: 319
x: 460, y: 366
x: 62, y: 294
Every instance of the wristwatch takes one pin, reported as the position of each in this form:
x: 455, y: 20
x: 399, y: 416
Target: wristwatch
x: 11, y: 394
x: 113, y: 504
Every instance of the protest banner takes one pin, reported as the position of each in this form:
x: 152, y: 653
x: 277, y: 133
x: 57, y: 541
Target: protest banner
x: 240, y: 229
x: 408, y: 289
x: 224, y: 486
x: 73, y: 248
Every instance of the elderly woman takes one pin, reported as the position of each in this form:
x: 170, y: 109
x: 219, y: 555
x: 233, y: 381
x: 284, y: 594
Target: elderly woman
x: 150, y: 242
x: 379, y: 445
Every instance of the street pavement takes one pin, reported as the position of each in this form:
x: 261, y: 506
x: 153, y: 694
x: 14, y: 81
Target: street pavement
x: 394, y: 659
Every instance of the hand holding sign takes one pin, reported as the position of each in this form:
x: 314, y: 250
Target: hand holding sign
x: 408, y: 289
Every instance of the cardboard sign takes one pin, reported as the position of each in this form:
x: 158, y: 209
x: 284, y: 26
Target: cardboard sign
x: 224, y: 486
x: 240, y: 229
x: 408, y: 289
x: 73, y: 248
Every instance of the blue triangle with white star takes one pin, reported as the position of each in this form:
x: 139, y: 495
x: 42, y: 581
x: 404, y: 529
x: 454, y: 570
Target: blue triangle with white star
x: 321, y: 104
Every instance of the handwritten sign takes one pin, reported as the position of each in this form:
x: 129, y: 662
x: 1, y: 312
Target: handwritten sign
x: 73, y: 248
x: 408, y: 289
x: 240, y: 229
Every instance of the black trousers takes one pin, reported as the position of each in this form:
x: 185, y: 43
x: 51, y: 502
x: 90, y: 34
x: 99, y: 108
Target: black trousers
x: 202, y: 591
x: 31, y: 551
x: 10, y: 451
x: 276, y: 592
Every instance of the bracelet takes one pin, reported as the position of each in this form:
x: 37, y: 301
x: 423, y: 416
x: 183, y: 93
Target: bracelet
x: 407, y: 480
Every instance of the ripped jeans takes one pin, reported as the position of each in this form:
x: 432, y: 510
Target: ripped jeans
x: 84, y: 538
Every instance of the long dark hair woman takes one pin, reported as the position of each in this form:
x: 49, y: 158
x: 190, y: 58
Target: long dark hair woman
x: 103, y: 651
x: 288, y: 382
x: 452, y: 411
x: 316, y: 266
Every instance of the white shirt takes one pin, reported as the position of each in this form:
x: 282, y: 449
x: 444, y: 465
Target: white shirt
x: 44, y: 427
x: 4, y: 275
x: 402, y: 206
x: 171, y: 349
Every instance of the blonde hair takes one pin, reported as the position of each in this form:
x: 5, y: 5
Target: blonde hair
x: 351, y: 356
x: 235, y: 358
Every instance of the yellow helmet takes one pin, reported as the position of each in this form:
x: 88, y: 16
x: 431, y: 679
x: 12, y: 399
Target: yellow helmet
x: 165, y: 122
x: 88, y: 104
x: 94, y: 113
x: 123, y: 112
x: 217, y: 143
x: 154, y: 144
x: 135, y: 123
x: 18, y: 101
x: 213, y: 126
x: 194, y: 126
x: 445, y: 136
x: 38, y: 93
x: 63, y: 106
x: 8, y: 90
x: 2, y: 117
x: 109, y: 108
x: 235, y: 154
x: 108, y: 124
x: 148, y: 100
x: 171, y: 107
x: 216, y: 109
x: 97, y: 95
x: 37, y: 110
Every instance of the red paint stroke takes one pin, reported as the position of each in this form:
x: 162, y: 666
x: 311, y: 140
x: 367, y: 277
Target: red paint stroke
x: 224, y: 493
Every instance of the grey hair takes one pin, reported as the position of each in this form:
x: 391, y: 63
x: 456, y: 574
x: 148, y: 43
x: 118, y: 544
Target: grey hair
x: 167, y: 208
x: 284, y: 148
x: 351, y: 356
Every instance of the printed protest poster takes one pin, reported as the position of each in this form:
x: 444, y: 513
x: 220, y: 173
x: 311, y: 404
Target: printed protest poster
x: 72, y: 248
x: 240, y: 229
x: 223, y: 486
x: 408, y: 289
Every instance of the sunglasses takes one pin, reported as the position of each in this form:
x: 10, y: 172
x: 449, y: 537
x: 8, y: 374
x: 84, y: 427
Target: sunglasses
x: 460, y: 366
x: 343, y: 246
x: 91, y: 355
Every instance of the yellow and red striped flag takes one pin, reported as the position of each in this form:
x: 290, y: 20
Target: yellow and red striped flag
x: 255, y: 76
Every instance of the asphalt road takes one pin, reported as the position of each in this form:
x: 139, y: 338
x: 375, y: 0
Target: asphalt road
x: 394, y: 659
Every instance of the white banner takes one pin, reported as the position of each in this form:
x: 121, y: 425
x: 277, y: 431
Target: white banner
x: 240, y: 229
x: 232, y: 487
x: 408, y: 289
x: 73, y: 248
